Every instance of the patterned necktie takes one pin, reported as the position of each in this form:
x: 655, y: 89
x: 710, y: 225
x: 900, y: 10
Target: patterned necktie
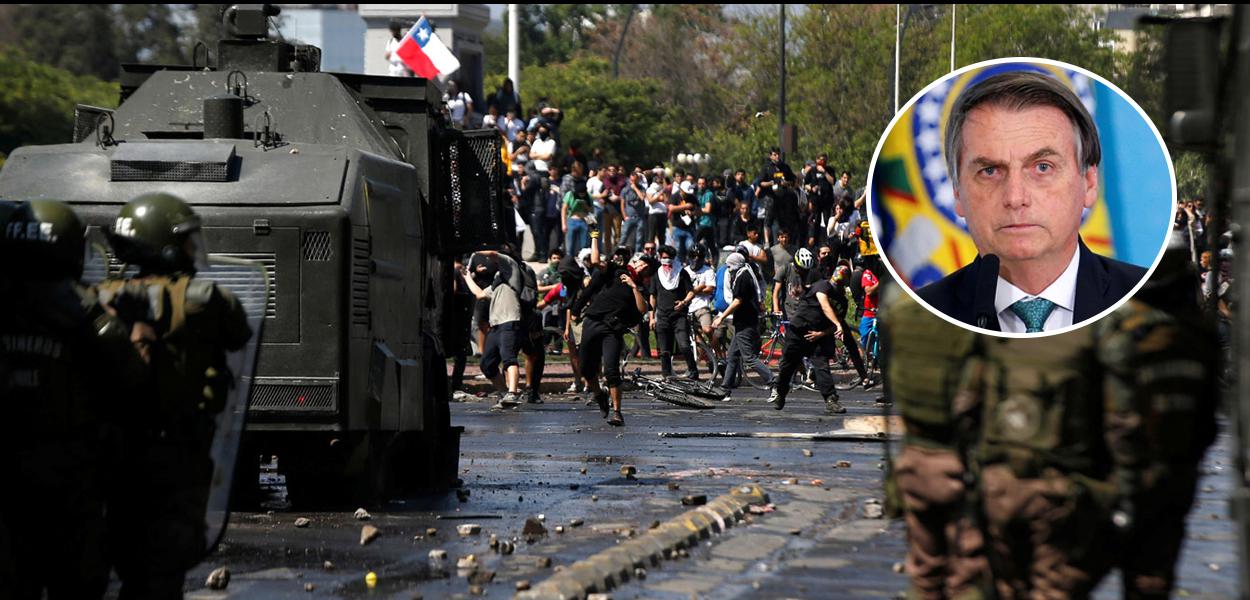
x: 1033, y: 312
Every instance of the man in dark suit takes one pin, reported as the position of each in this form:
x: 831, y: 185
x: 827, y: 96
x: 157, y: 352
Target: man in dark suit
x: 1023, y: 154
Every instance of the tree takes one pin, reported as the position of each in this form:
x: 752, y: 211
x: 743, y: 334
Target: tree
x: 37, y: 101
x: 619, y: 115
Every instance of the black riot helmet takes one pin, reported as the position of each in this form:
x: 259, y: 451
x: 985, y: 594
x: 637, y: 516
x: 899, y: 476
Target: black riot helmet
x: 43, y: 239
x: 160, y: 233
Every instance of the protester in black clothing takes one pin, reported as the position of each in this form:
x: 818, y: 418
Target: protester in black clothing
x: 813, y: 332
x: 840, y: 277
x: 774, y: 174
x: 786, y: 215
x: 671, y: 292
x: 725, y: 211
x: 616, y: 304
x: 818, y: 181
x: 644, y: 328
x: 745, y: 309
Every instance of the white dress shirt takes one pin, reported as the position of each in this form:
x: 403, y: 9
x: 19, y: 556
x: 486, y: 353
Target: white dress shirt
x: 1062, y: 292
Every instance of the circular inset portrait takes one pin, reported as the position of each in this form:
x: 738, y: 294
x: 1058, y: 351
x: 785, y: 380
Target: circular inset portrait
x: 1021, y: 197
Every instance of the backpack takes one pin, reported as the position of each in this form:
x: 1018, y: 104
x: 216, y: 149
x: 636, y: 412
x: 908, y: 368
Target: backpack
x: 528, y: 293
x: 857, y: 289
x: 723, y: 294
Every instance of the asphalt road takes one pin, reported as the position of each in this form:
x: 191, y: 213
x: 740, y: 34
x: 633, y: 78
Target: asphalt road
x: 561, y: 462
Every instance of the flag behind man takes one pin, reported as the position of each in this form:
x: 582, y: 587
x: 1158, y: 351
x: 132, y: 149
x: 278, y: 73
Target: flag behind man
x: 425, y: 53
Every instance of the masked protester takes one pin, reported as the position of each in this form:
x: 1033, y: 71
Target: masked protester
x: 611, y: 304
x: 671, y: 293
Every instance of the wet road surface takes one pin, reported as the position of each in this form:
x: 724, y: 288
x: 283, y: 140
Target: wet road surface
x: 561, y: 462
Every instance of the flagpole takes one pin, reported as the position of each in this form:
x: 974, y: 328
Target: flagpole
x: 953, y: 36
x: 898, y: 34
x: 514, y: 48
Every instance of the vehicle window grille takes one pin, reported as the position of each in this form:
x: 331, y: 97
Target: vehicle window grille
x: 316, y: 246
x: 244, y: 286
x: 151, y: 170
x: 293, y: 397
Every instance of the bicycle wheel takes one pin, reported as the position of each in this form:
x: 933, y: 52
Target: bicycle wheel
x: 754, y: 378
x: 706, y: 359
x: 871, y: 350
x: 629, y: 345
x: 682, y: 400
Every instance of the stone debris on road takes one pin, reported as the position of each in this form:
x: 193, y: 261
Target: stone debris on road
x: 327, y: 566
x: 628, y: 471
x: 302, y: 522
x: 481, y: 576
x: 468, y: 529
x: 807, y: 453
x: 368, y: 533
x: 533, y: 529
x: 576, y: 522
x: 308, y: 587
x: 431, y: 532
x: 694, y: 500
x: 843, y: 464
x: 522, y: 585
x: 218, y: 579
x: 361, y: 515
x: 873, y: 509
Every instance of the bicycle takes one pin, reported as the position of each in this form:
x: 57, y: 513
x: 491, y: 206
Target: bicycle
x: 681, y: 392
x: 702, y: 349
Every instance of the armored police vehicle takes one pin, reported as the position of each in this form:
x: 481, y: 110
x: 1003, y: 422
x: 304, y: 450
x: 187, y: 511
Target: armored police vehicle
x: 352, y: 193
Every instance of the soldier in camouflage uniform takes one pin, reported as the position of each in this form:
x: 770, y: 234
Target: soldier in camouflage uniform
x: 67, y: 369
x: 945, y: 546
x: 1166, y: 356
x: 159, y: 532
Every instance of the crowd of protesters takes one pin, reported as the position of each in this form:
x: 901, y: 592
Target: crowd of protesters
x: 628, y: 248
x: 1214, y: 264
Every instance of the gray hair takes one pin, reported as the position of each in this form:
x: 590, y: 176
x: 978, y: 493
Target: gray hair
x: 1017, y: 90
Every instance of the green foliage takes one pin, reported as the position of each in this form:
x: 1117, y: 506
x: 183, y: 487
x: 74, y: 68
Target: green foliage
x: 618, y: 115
x: 37, y: 101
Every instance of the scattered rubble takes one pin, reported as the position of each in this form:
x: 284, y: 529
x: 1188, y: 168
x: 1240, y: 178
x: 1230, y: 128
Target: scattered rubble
x: 327, y: 566
x: 694, y: 500
x: 368, y: 533
x: 302, y: 522
x: 431, y: 532
x: 218, y: 579
x: 843, y: 464
x: 533, y: 529
x: 481, y: 577
x: 362, y: 515
x: 899, y: 568
x: 807, y: 453
x: 674, y: 486
x: 522, y: 585
x: 629, y: 471
x: 576, y: 522
x: 469, y: 529
x: 544, y: 562
x: 308, y: 587
x: 438, y: 560
x: 873, y: 509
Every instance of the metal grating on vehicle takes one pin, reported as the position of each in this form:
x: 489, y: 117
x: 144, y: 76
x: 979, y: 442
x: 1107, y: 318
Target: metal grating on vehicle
x: 243, y: 283
x: 294, y: 397
x: 316, y: 246
x: 473, y: 202
x: 361, y: 250
x: 200, y: 161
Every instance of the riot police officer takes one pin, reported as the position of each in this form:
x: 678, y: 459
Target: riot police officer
x: 67, y: 369
x: 192, y: 325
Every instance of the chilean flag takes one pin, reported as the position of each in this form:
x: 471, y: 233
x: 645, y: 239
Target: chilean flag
x: 425, y: 54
